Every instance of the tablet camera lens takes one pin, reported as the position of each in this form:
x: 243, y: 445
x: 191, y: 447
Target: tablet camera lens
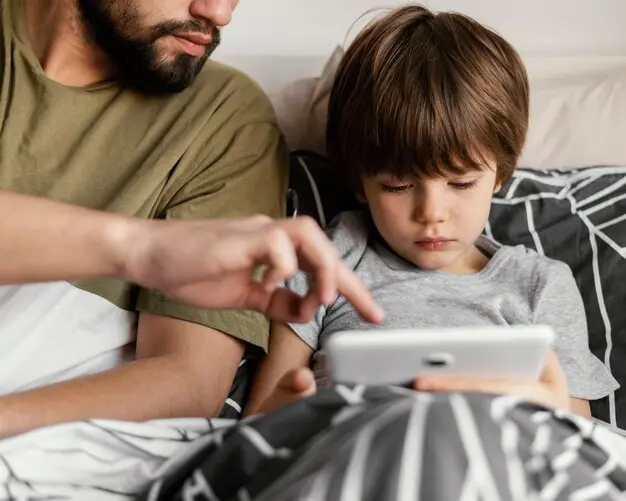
x: 438, y: 360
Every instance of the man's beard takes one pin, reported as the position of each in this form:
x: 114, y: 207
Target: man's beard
x: 116, y: 28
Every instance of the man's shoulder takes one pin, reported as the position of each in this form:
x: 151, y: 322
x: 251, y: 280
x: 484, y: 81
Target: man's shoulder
x: 228, y: 90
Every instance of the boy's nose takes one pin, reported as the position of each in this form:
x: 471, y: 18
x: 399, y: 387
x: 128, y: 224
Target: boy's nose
x: 430, y: 207
x: 217, y: 12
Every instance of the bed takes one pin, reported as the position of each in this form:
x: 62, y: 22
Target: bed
x: 568, y: 201
x: 343, y: 443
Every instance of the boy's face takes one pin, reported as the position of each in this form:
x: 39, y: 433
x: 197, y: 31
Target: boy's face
x: 433, y: 222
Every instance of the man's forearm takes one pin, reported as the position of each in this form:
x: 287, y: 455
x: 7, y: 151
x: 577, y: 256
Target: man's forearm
x: 147, y: 389
x: 43, y: 240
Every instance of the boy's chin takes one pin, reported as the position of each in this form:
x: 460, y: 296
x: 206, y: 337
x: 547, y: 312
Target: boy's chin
x: 440, y: 261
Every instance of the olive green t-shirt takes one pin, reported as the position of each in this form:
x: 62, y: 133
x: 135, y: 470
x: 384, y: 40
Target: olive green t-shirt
x: 213, y: 150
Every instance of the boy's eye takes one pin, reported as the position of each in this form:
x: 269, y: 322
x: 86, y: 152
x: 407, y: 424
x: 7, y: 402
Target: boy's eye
x: 463, y: 185
x: 396, y: 188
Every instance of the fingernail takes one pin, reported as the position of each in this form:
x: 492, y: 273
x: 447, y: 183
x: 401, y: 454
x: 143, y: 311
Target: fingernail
x: 380, y: 314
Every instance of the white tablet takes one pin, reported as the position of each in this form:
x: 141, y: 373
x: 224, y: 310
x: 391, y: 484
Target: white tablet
x: 381, y: 357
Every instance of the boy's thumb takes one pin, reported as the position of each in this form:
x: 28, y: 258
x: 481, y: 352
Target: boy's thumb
x: 303, y: 381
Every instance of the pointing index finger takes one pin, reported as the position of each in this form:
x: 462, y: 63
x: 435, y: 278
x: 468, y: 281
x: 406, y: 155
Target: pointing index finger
x: 357, y: 294
x: 318, y: 255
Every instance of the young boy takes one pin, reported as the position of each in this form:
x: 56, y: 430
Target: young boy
x: 427, y: 118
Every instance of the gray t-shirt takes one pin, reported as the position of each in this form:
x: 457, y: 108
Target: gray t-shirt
x: 517, y: 286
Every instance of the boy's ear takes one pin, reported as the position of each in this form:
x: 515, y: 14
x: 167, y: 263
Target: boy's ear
x: 498, y: 187
x: 360, y: 194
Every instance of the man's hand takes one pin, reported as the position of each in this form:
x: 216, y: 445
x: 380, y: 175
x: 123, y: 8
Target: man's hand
x: 294, y: 385
x: 212, y: 264
x: 550, y: 390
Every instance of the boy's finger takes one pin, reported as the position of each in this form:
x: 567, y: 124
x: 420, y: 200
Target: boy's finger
x: 470, y: 385
x: 532, y: 392
x: 304, y: 381
x: 553, y: 372
x: 297, y: 380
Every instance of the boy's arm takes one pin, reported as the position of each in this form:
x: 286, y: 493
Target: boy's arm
x: 580, y: 407
x: 287, y: 353
x: 560, y: 306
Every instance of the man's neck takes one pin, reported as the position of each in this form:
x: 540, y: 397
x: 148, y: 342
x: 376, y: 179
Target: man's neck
x: 59, y: 40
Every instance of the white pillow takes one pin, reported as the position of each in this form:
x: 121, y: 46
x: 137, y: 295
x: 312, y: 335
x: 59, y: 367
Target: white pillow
x: 577, y: 116
x: 577, y: 121
x: 301, y: 108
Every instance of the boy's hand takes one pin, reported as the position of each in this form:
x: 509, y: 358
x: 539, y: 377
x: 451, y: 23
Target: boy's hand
x: 294, y: 385
x: 550, y: 390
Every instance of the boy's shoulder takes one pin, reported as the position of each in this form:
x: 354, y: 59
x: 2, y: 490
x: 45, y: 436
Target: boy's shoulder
x: 529, y: 268
x: 350, y: 233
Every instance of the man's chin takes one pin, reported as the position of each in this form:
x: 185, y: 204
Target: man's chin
x: 166, y: 78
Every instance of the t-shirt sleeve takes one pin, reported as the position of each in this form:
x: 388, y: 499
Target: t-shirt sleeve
x: 239, y: 169
x: 561, y: 307
x: 310, y: 331
x: 349, y: 234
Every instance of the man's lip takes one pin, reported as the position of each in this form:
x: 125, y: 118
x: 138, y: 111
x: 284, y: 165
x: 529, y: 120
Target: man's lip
x: 197, y: 38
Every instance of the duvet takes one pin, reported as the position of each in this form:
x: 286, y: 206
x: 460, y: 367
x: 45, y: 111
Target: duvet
x: 343, y: 444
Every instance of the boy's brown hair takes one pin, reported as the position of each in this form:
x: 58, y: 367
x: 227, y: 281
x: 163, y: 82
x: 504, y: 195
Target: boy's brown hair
x: 425, y: 94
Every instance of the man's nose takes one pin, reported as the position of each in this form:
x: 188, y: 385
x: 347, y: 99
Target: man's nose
x: 218, y: 12
x: 431, y: 206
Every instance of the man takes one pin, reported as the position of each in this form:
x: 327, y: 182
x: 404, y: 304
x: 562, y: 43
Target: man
x: 112, y: 105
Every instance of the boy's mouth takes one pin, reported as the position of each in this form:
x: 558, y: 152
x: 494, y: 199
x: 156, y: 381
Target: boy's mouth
x: 433, y: 244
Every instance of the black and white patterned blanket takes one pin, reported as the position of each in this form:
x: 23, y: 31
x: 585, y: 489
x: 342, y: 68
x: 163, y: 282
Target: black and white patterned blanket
x: 342, y: 444
x: 384, y: 443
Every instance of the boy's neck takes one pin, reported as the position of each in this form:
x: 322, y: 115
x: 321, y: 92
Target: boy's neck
x: 476, y: 259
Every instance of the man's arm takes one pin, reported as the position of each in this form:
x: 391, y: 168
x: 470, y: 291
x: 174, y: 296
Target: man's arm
x: 43, y: 240
x: 183, y: 370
